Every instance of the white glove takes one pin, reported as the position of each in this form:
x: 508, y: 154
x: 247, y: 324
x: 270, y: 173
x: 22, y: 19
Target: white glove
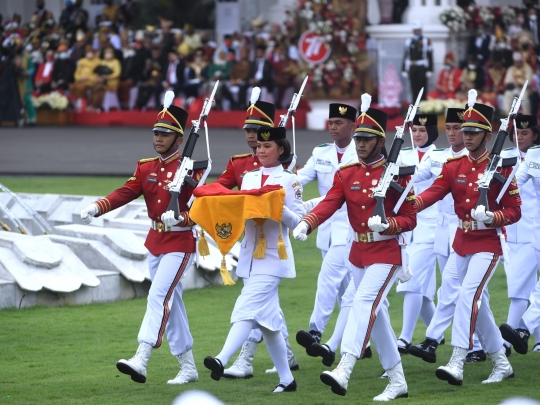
x: 168, y: 218
x: 405, y: 74
x: 376, y: 225
x: 429, y: 74
x: 88, y: 214
x: 301, y: 230
x: 310, y: 204
x: 480, y: 214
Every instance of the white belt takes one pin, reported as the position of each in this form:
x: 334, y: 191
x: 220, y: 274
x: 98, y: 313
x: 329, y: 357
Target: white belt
x: 420, y: 62
x: 160, y: 227
x: 370, y: 237
x: 472, y: 225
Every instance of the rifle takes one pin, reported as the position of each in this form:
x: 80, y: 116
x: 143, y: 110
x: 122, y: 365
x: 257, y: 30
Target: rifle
x: 495, y: 160
x: 187, y: 165
x: 42, y: 223
x: 392, y: 170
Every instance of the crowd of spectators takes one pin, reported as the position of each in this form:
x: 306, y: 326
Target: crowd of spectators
x: 107, y: 64
x: 499, y: 61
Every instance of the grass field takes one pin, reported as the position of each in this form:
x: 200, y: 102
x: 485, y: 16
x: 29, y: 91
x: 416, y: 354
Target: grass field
x: 68, y: 355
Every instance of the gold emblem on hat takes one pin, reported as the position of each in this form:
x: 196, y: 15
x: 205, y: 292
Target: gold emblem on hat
x: 342, y: 110
x: 422, y: 120
x: 524, y: 124
x: 265, y: 135
x: 460, y: 115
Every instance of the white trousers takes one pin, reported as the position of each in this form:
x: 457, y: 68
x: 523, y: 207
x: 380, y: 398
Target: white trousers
x: 165, y: 310
x: 531, y: 319
x: 369, y: 314
x: 422, y: 262
x: 522, y: 271
x: 472, y: 309
x: 333, y: 280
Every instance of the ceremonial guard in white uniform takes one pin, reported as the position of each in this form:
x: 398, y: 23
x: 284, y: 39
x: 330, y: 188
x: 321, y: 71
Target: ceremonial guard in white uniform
x: 420, y: 289
x: 334, y: 276
x: 522, y: 271
x: 375, y: 255
x: 447, y: 223
x: 530, y: 322
x: 258, y: 303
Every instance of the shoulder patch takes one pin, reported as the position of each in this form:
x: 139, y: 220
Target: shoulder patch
x: 243, y: 155
x: 407, y: 148
x: 456, y: 158
x: 349, y: 165
x: 148, y: 159
x: 535, y: 147
x: 322, y: 145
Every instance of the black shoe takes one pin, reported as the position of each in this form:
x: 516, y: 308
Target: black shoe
x: 475, y: 357
x: 286, y: 388
x: 318, y: 350
x: 519, y: 338
x: 404, y: 350
x: 215, y: 366
x: 367, y: 353
x: 306, y: 339
x: 443, y: 341
x: 427, y: 350
x: 507, y: 351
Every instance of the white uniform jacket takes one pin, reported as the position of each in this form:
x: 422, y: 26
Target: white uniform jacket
x: 292, y: 214
x: 530, y: 170
x: 322, y: 165
x: 425, y: 220
x: 522, y: 231
x: 447, y: 220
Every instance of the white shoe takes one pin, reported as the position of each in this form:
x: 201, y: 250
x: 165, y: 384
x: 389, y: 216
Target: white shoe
x: 188, y: 370
x: 453, y: 371
x: 243, y: 365
x: 501, y: 367
x: 338, y: 378
x: 293, y: 364
x: 136, y: 366
x: 397, y: 386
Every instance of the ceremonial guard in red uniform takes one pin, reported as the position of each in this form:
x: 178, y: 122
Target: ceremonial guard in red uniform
x: 376, y: 255
x: 260, y: 115
x: 478, y: 243
x: 171, y: 246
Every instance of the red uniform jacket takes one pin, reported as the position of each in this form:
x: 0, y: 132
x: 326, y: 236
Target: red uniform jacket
x: 460, y: 176
x: 150, y: 180
x: 354, y: 184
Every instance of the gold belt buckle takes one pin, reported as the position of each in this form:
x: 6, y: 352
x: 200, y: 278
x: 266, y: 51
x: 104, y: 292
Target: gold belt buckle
x: 160, y: 227
x: 466, y: 225
x: 362, y: 237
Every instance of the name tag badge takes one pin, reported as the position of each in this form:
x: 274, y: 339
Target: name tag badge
x: 534, y: 165
x: 324, y: 162
x: 436, y: 164
x: 462, y: 181
x: 354, y: 188
x: 151, y: 179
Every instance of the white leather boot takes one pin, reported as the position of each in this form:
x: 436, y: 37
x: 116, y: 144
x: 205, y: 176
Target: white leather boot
x: 338, y: 378
x: 453, y: 371
x: 243, y: 365
x: 397, y: 386
x: 293, y: 364
x: 188, y: 370
x: 501, y: 367
x: 136, y: 366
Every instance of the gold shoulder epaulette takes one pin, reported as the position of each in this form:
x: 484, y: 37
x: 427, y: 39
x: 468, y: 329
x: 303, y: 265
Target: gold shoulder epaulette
x: 349, y: 165
x: 148, y: 159
x: 242, y: 155
x: 456, y: 158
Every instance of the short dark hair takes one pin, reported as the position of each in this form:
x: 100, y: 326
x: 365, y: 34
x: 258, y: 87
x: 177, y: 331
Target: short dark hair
x: 286, y: 149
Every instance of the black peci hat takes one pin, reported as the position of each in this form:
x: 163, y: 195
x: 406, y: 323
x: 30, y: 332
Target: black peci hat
x: 454, y: 115
x: 525, y: 121
x: 371, y: 123
x: 342, y: 111
x: 171, y: 119
x: 425, y: 120
x: 265, y: 134
x: 260, y: 114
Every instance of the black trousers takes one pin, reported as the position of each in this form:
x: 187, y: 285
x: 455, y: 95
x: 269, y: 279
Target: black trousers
x: 418, y: 79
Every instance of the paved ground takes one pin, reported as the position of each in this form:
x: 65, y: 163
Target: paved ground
x: 111, y: 151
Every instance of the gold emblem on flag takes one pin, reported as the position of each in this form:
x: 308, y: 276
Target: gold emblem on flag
x: 524, y: 124
x: 422, y: 120
x: 460, y: 115
x: 342, y: 110
x: 265, y: 135
x: 224, y: 230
